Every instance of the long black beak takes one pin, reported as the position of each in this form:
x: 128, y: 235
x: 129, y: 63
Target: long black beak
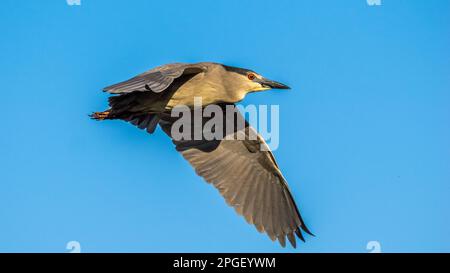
x: 272, y: 84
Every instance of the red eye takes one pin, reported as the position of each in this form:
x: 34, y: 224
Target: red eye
x: 251, y: 76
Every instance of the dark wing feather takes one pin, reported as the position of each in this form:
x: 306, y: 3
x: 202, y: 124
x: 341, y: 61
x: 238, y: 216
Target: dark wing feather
x: 248, y: 178
x: 149, y: 122
x: 156, y: 80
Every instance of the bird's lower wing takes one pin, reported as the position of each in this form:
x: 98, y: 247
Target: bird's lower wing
x: 249, y: 180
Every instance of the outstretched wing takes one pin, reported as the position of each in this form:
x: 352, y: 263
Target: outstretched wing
x: 156, y: 80
x: 247, y: 176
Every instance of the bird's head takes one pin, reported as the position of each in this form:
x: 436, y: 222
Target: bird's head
x: 245, y: 80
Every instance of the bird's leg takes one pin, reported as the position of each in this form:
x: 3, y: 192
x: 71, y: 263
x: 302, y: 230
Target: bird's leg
x: 100, y: 115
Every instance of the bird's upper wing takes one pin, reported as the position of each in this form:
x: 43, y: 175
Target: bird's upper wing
x: 156, y: 80
x: 248, y: 178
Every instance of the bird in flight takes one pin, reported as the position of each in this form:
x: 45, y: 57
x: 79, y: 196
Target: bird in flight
x: 243, y: 169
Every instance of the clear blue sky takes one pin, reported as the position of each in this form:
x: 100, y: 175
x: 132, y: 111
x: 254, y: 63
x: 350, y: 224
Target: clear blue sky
x: 365, y: 130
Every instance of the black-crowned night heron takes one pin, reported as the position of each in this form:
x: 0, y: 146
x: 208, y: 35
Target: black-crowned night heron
x: 248, y: 177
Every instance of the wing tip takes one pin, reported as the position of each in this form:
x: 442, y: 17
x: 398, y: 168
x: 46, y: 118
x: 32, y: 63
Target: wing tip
x: 305, y: 229
x: 298, y: 232
x: 291, y: 238
x: 282, y: 240
x: 108, y: 89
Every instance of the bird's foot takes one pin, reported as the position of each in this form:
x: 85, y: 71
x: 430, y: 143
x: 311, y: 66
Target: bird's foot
x: 100, y: 115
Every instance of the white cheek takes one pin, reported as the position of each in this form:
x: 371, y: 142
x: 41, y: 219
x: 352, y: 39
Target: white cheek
x: 255, y: 86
